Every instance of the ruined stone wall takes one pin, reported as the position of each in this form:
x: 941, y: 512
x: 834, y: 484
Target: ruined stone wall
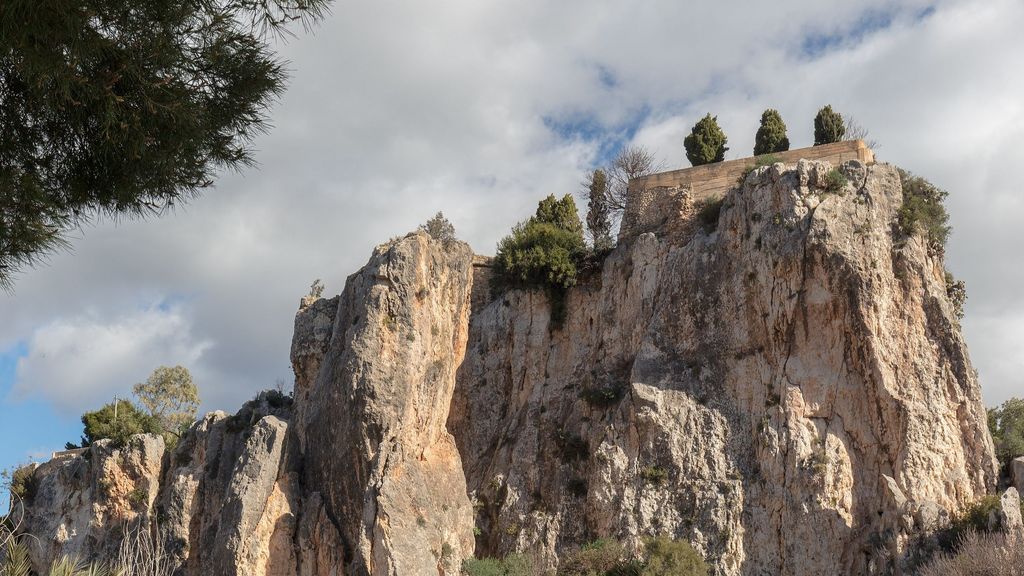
x: 655, y: 200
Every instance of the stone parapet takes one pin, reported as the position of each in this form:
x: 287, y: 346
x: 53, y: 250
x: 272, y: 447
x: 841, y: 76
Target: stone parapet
x: 650, y: 199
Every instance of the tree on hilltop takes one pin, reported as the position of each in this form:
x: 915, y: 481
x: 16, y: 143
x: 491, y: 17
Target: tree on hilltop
x: 706, y: 142
x: 599, y: 222
x: 771, y: 136
x: 124, y: 108
x: 828, y: 126
x: 170, y: 396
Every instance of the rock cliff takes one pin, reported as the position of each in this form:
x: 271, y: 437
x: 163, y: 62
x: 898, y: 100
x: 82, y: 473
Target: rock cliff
x: 783, y: 384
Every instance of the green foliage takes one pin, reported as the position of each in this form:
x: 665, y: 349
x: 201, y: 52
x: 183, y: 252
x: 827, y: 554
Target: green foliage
x: 654, y: 474
x: 973, y: 519
x: 543, y: 253
x: 599, y: 211
x: 170, y: 396
x: 440, y: 229
x: 706, y: 142
x: 603, y: 396
x: 604, y: 557
x: 923, y: 211
x: 118, y: 422
x: 126, y: 107
x: 828, y: 126
x: 512, y: 565
x: 835, y: 180
x: 1006, y: 423
x: 667, y: 557
x: 956, y: 290
x: 15, y: 561
x: 708, y: 212
x: 21, y: 482
x: 771, y: 136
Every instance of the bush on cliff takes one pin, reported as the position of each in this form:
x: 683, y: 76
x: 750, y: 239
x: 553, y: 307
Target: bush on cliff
x: 511, y: 565
x: 828, y: 126
x: 923, y: 211
x: 543, y: 253
x: 706, y: 142
x: 118, y: 422
x: 771, y: 136
x: 662, y: 557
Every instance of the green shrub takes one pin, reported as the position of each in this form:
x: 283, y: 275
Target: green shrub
x: 440, y: 228
x: 118, y: 423
x: 974, y: 519
x: 667, y: 557
x: 22, y: 482
x: 1006, y: 423
x: 604, y: 557
x: 706, y: 142
x: 654, y: 474
x: 923, y: 210
x: 956, y: 290
x: 544, y: 251
x: 708, y: 212
x: 828, y: 127
x: 835, y: 181
x: 771, y: 136
x: 511, y: 565
x: 603, y: 396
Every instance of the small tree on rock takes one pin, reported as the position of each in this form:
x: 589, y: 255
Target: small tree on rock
x: 440, y: 228
x: 599, y: 211
x: 828, y: 126
x: 170, y: 396
x: 118, y: 421
x: 706, y: 142
x: 771, y: 136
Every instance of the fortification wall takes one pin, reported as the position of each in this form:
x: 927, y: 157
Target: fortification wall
x: 658, y: 200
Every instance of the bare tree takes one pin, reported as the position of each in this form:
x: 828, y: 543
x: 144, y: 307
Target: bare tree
x: 633, y: 161
x: 856, y: 131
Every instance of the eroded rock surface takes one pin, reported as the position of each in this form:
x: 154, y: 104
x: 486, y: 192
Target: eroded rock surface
x: 785, y: 389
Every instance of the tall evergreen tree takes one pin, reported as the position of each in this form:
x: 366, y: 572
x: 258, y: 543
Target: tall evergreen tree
x: 599, y: 221
x: 126, y: 107
x: 828, y: 126
x: 706, y: 142
x: 771, y: 136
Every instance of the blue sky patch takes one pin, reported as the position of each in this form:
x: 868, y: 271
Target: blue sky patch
x: 872, y: 21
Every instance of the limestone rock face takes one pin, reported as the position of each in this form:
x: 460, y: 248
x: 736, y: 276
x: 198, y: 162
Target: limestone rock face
x: 783, y: 384
x: 82, y: 503
x: 787, y: 389
x: 376, y: 449
x: 1017, y: 472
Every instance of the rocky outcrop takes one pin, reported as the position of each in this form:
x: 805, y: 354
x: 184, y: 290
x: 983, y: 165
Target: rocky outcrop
x: 786, y: 389
x: 781, y: 381
x: 81, y: 505
x: 388, y: 472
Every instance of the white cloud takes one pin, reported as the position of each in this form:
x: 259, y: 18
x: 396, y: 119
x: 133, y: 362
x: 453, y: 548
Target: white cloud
x: 81, y: 362
x: 400, y: 109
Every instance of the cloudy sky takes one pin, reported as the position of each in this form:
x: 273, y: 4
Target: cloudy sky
x: 399, y: 109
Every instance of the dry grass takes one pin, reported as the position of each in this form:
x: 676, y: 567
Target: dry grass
x: 981, y: 555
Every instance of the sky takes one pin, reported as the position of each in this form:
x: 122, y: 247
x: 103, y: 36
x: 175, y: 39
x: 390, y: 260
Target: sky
x: 399, y: 109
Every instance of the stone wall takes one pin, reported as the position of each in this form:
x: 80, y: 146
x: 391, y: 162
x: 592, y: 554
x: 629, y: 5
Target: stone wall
x: 654, y: 201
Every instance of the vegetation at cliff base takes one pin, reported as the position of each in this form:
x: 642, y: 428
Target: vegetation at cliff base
x: 511, y: 565
x: 706, y: 142
x: 828, y: 126
x: 662, y: 556
x: 771, y: 135
x: 1006, y: 423
x: 126, y: 108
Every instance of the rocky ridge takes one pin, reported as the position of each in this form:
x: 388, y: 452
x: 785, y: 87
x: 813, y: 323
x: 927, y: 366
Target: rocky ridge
x: 787, y: 389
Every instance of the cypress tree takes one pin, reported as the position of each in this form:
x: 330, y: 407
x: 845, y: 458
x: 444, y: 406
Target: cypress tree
x: 599, y: 211
x: 828, y: 126
x: 771, y: 136
x: 706, y: 142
